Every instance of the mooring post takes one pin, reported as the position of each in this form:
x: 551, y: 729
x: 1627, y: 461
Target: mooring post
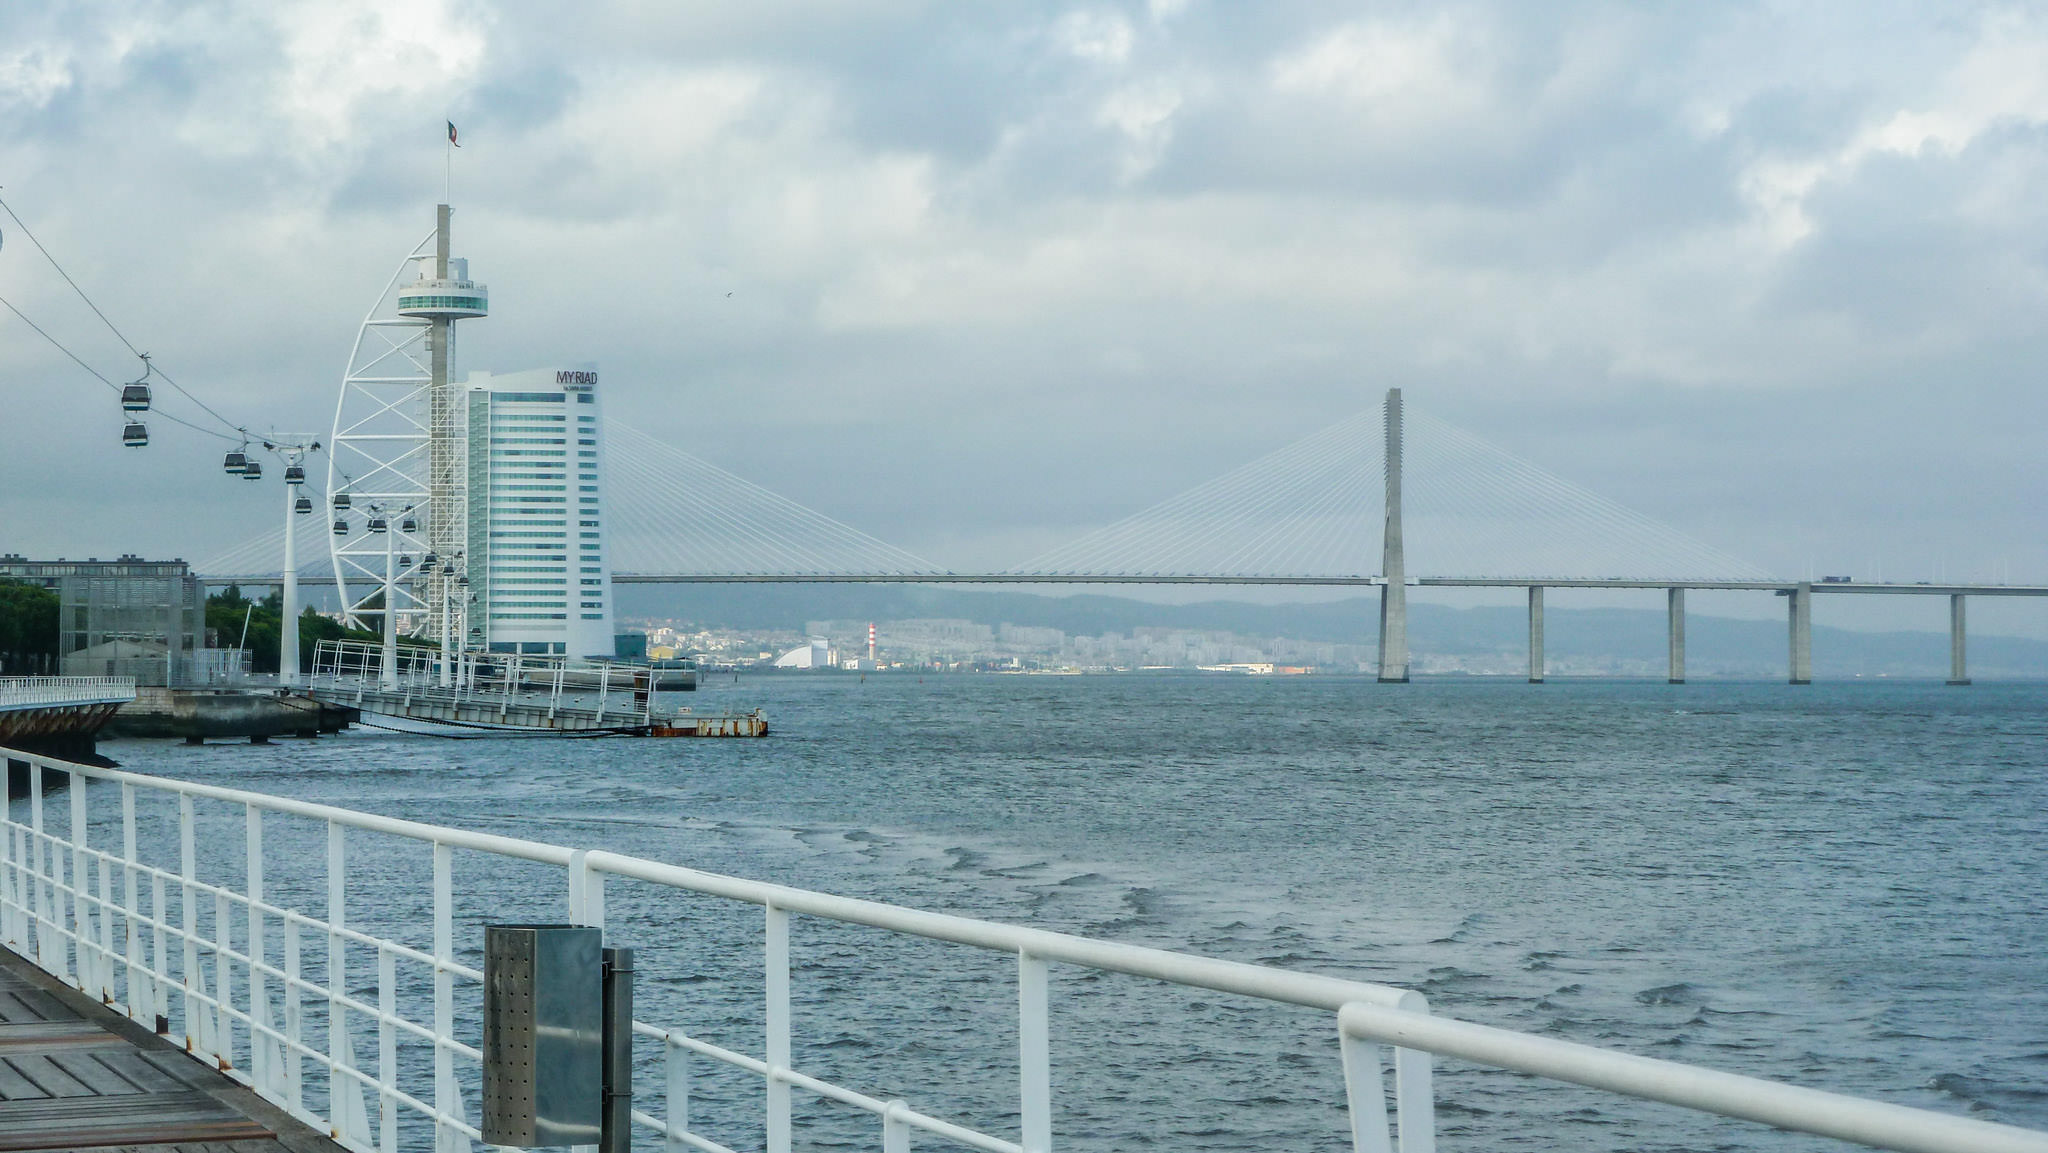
x: 1799, y: 612
x: 1393, y: 564
x: 1535, y: 634
x: 1675, y: 599
x: 1958, y: 666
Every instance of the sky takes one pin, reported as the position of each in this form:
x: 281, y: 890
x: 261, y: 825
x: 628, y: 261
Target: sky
x: 977, y: 279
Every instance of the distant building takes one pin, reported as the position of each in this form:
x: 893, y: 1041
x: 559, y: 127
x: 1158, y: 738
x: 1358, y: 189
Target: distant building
x: 47, y: 573
x: 538, y: 568
x: 815, y: 655
x: 129, y: 618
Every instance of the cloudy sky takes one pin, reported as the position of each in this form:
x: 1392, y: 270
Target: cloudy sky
x: 978, y: 278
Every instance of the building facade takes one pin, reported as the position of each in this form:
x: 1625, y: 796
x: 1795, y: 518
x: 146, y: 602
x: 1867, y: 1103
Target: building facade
x: 538, y: 567
x: 148, y: 626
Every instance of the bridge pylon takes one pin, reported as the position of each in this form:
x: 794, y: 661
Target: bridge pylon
x: 1393, y: 564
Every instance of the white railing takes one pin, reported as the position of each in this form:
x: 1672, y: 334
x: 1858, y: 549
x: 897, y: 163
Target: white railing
x: 158, y: 942
x: 34, y: 692
x: 593, y: 691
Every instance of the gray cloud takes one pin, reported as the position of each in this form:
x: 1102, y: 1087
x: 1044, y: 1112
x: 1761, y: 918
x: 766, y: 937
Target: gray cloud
x: 1002, y: 273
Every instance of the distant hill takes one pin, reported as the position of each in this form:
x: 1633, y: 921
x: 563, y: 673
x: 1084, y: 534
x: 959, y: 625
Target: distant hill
x: 1489, y: 639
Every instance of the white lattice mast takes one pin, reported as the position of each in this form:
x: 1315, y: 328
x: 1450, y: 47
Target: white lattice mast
x: 399, y: 464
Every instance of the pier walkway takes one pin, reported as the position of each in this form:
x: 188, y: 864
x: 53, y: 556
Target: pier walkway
x: 75, y: 1076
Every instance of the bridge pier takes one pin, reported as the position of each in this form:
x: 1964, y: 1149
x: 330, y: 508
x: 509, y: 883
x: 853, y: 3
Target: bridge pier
x: 1535, y: 634
x: 1675, y: 609
x: 1958, y: 666
x: 1799, y: 612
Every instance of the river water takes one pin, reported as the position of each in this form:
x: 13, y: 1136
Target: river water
x: 1842, y: 886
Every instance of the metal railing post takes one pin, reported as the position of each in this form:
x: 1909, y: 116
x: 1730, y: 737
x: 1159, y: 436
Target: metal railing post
x: 676, y: 1072
x: 223, y: 979
x: 387, y: 1050
x: 188, y: 912
x: 616, y: 1126
x: 1365, y: 1093
x: 346, y: 1113
x: 1034, y: 1053
x: 447, y: 1094
x: 259, y: 991
x: 1414, y: 1101
x: 106, y: 943
x: 895, y: 1130
x: 160, y: 965
x: 9, y: 872
x: 141, y: 996
x: 776, y: 956
x: 84, y: 970
x: 294, y: 1064
x: 38, y: 853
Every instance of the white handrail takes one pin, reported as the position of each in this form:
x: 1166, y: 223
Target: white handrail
x: 70, y: 929
x: 30, y: 692
x: 1877, y: 1124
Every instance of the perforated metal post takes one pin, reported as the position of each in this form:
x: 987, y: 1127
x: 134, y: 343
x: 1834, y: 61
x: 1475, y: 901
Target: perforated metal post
x: 543, y: 1052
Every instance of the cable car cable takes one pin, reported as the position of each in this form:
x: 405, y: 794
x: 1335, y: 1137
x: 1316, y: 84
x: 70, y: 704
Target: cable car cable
x: 59, y: 345
x: 168, y: 379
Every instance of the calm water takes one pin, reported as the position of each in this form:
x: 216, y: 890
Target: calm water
x: 1843, y: 886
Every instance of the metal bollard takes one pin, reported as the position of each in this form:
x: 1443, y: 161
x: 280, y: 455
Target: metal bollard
x: 618, y: 1052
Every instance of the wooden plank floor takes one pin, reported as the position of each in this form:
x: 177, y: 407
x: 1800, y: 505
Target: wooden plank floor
x: 75, y: 1076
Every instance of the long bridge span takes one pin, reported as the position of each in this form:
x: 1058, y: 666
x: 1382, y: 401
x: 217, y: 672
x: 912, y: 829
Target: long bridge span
x: 1448, y: 511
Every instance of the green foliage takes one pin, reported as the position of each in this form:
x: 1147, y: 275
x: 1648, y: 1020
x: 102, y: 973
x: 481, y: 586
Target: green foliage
x: 28, y: 627
x: 227, y: 610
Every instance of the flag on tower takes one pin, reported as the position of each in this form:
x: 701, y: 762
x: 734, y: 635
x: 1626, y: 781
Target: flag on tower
x: 451, y: 135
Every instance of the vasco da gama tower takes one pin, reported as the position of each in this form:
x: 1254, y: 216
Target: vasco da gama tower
x: 476, y: 506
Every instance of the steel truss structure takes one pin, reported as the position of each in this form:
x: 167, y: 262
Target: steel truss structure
x: 399, y: 459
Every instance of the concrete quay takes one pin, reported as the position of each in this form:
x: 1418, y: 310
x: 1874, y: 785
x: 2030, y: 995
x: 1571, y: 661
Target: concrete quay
x: 227, y: 714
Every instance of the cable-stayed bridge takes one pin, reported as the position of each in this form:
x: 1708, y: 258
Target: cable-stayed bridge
x: 1389, y: 498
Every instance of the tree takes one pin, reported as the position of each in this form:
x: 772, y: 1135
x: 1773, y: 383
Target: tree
x: 28, y: 627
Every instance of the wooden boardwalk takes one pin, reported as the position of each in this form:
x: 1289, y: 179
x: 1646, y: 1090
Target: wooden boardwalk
x: 77, y: 1076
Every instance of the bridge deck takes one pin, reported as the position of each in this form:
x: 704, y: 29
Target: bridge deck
x: 78, y: 1077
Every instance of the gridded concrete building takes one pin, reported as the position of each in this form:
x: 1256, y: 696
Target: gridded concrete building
x: 538, y: 571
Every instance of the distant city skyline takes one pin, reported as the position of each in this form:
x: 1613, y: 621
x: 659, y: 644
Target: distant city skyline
x: 979, y: 281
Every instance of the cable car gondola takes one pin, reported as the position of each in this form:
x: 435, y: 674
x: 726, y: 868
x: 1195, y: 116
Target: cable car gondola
x: 135, y: 434
x: 303, y: 505
x: 294, y: 474
x: 340, y: 527
x: 235, y: 463
x: 409, y: 525
x: 253, y: 470
x: 428, y: 562
x: 405, y: 560
x: 135, y: 397
x: 341, y: 500
x: 378, y: 524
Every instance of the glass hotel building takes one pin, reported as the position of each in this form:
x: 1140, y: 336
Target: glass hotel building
x: 538, y: 571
